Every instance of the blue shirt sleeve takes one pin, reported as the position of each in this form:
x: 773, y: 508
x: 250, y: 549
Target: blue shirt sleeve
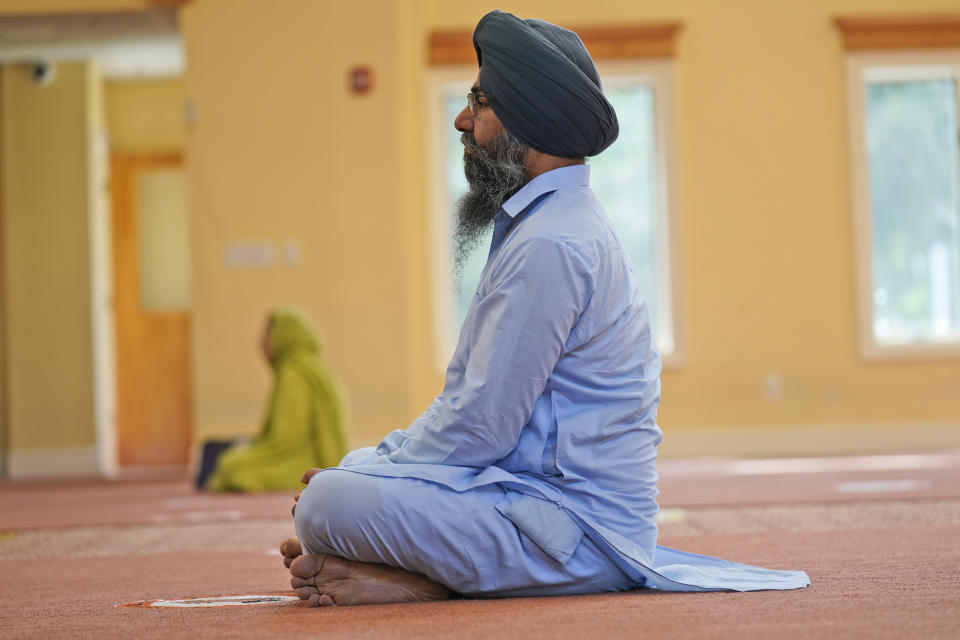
x: 521, y: 324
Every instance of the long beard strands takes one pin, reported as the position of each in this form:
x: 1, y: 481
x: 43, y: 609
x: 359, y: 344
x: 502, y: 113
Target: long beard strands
x: 494, y: 174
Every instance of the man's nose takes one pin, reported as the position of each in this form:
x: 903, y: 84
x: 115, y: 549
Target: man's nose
x: 464, y: 120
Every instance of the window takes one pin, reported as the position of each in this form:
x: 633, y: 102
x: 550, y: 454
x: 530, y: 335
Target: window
x: 630, y: 179
x: 906, y: 170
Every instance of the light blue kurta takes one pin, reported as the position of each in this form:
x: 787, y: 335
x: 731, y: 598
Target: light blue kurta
x: 551, y: 400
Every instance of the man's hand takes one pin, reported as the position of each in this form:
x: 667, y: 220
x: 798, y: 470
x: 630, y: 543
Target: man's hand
x: 305, y: 479
x: 290, y: 550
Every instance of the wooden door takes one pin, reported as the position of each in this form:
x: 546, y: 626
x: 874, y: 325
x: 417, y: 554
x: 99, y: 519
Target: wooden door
x: 152, y: 338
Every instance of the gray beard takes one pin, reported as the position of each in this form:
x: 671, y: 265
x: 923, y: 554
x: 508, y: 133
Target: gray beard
x: 494, y: 173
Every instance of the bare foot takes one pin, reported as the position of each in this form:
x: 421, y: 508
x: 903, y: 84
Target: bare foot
x: 291, y: 549
x: 329, y: 580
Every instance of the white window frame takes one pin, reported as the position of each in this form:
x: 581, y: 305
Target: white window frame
x: 457, y: 79
x: 862, y: 67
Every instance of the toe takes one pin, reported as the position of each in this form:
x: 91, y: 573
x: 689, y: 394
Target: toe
x: 291, y: 548
x: 304, y: 593
x: 307, y: 566
x: 296, y: 582
x: 325, y: 601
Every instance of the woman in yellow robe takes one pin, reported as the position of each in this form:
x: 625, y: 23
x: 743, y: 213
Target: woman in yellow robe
x: 304, y: 424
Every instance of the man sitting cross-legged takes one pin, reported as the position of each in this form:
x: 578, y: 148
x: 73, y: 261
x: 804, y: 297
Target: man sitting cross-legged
x: 533, y: 472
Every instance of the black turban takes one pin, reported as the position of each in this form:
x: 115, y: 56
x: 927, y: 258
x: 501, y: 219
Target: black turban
x: 543, y: 86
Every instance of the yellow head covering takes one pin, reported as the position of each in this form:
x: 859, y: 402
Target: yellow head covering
x: 305, y: 420
x: 291, y: 332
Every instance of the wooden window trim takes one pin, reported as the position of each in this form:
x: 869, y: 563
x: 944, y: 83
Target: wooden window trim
x: 862, y: 67
x: 654, y: 40
x: 900, y: 32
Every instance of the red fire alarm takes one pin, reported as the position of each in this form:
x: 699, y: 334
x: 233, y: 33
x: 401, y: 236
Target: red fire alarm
x: 361, y: 80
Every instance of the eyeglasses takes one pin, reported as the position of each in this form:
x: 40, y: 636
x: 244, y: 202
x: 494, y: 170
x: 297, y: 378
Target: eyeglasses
x: 473, y: 101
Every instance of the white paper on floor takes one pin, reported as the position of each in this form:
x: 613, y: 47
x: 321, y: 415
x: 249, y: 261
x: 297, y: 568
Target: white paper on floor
x: 219, y: 601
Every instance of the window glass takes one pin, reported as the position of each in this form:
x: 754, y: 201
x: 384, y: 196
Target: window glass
x: 164, y: 230
x: 456, y: 187
x: 625, y: 179
x: 911, y: 135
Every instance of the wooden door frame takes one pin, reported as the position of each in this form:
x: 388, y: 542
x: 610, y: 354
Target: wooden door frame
x: 124, y: 168
x: 4, y: 353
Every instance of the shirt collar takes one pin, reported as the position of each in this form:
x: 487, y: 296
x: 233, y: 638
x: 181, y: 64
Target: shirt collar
x: 574, y: 175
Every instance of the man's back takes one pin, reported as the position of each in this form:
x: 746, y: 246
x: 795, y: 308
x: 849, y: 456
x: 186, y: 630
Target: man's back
x: 592, y: 432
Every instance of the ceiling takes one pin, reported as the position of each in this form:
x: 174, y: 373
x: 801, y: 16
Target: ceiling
x: 131, y: 44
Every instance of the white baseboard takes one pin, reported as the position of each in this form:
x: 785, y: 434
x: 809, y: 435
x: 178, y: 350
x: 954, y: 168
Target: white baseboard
x: 25, y: 463
x: 823, y: 439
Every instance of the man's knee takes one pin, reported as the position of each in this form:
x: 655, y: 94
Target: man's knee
x: 335, y: 504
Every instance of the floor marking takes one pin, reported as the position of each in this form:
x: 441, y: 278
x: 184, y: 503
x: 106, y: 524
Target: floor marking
x: 666, y: 516
x: 776, y: 466
x: 851, y: 463
x: 198, y: 516
x: 274, y: 552
x: 190, y: 502
x: 217, y: 601
x: 882, y: 486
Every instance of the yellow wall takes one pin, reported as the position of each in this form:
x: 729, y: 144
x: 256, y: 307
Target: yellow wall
x: 145, y: 116
x: 767, y: 229
x: 281, y: 151
x: 766, y: 223
x: 46, y: 199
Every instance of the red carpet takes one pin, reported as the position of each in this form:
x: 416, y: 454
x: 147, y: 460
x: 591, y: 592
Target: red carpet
x: 882, y: 548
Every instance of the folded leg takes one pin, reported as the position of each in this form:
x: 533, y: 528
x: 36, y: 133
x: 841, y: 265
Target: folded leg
x: 457, y: 539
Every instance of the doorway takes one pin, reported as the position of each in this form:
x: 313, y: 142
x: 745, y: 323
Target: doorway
x: 66, y: 73
x: 151, y: 265
x: 3, y: 313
